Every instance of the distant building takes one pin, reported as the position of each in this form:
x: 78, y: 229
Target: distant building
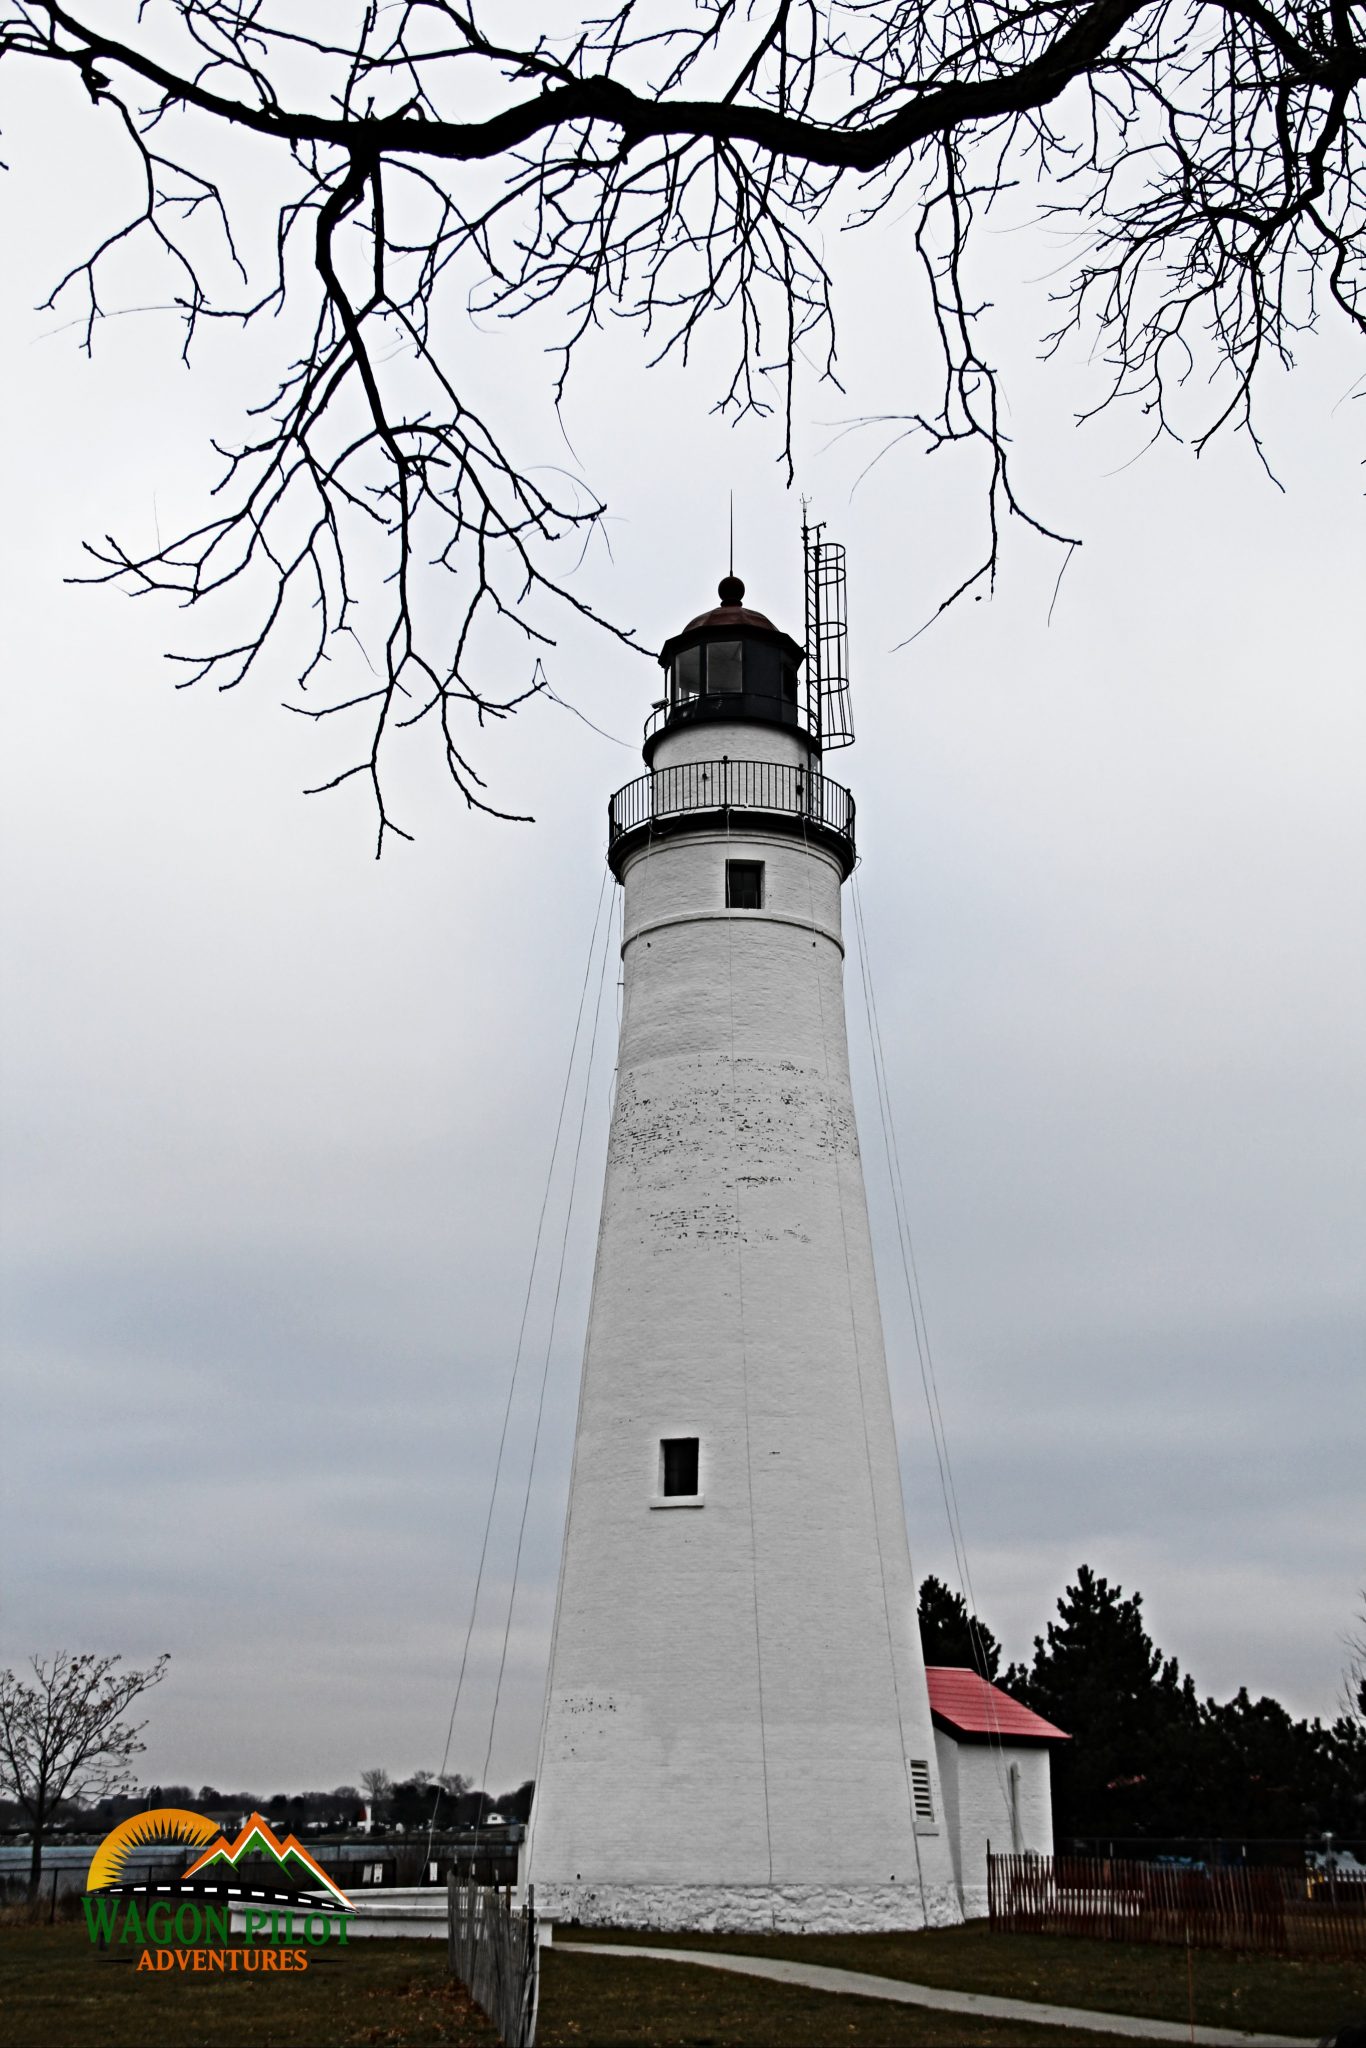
x: 994, y: 1770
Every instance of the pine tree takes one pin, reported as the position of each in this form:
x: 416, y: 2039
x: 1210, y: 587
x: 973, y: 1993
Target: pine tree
x: 1134, y: 1758
x: 951, y: 1634
x: 1149, y: 1760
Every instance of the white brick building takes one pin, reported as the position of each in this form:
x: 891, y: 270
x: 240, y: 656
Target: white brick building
x: 995, y: 1773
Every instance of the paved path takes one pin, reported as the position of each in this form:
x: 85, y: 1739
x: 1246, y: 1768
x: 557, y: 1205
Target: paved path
x: 815, y: 1977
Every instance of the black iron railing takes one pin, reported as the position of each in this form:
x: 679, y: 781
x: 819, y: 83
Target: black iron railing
x: 773, y: 787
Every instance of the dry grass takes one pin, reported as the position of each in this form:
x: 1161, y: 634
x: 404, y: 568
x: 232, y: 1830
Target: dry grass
x: 1264, y: 1994
x: 54, y: 1991
x: 599, y: 2002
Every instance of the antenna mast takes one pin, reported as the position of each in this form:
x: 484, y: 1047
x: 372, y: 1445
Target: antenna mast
x: 827, y: 637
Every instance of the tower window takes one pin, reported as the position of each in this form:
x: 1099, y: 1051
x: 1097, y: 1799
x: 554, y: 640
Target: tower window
x: 725, y: 674
x: 677, y: 1466
x: 744, y: 885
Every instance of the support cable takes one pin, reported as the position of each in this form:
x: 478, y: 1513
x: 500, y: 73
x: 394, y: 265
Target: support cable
x: 625, y: 991
x: 924, y: 1353
x: 863, y: 1404
x: 549, y: 1348
x: 516, y: 1362
x: 625, y: 994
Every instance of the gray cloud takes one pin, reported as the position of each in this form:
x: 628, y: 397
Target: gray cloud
x: 277, y: 1119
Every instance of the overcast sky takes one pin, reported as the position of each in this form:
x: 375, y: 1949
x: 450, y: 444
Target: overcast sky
x: 277, y: 1118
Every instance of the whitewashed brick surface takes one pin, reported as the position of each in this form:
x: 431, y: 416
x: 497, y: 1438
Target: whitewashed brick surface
x: 712, y: 738
x: 736, y: 1690
x: 753, y: 1909
x: 975, y: 1777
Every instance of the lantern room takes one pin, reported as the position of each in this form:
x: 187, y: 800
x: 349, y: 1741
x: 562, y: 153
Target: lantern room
x: 735, y: 664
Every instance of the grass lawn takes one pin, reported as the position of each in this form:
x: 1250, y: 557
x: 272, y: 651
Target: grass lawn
x: 598, y: 2002
x: 1265, y: 1994
x: 389, y: 1994
x: 55, y: 1994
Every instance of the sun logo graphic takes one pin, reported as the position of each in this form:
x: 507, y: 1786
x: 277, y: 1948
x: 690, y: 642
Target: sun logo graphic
x: 228, y: 1888
x: 283, y: 1870
x: 164, y: 1827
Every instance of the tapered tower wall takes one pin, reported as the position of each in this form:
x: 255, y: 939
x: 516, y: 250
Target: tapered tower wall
x: 739, y: 742
x: 737, y: 1731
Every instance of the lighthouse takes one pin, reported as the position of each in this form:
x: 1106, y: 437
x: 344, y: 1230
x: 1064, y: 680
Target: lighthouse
x: 737, y: 1732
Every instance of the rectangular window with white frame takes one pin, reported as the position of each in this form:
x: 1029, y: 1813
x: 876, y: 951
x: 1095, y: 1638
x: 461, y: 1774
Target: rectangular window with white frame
x: 678, y: 1481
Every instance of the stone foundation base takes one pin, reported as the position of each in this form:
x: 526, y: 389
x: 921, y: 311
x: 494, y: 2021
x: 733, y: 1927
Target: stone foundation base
x: 753, y: 1908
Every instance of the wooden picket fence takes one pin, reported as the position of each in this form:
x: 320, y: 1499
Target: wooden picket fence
x: 492, y: 1949
x: 1271, y: 1909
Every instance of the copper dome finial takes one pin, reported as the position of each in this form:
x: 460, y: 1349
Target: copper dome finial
x: 731, y: 590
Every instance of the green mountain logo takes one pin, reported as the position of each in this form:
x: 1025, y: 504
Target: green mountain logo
x: 258, y: 1842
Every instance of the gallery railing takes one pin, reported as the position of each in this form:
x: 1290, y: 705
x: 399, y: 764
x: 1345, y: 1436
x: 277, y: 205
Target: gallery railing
x: 774, y: 788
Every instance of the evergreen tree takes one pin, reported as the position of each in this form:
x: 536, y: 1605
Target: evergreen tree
x: 1134, y: 1760
x: 1149, y: 1759
x: 951, y: 1634
x: 1270, y: 1775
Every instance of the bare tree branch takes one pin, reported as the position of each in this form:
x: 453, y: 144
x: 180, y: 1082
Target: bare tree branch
x: 65, y: 1736
x: 672, y: 167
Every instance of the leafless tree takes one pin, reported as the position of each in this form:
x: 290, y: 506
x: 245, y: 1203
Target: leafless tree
x: 1354, y: 1674
x: 65, y: 1736
x: 671, y: 165
x: 377, y: 1785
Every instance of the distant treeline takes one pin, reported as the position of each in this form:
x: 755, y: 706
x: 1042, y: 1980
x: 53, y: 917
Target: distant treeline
x: 1148, y: 1757
x: 406, y: 1803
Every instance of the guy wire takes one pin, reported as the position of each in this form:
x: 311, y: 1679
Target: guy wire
x: 549, y: 1345
x: 858, y: 1374
x: 920, y: 1328
x: 516, y: 1362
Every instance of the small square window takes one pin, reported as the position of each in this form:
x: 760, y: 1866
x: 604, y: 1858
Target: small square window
x: 744, y: 885
x: 678, y: 1465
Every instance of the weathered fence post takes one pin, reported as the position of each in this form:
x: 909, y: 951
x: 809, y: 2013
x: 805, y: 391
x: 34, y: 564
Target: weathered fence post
x: 492, y: 1949
x: 1269, y: 1910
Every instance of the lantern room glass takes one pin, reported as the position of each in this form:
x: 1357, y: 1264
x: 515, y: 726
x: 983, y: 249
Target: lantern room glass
x: 725, y: 668
x: 687, y: 675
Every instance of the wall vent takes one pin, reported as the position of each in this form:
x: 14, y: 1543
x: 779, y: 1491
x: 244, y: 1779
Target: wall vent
x: 922, y: 1799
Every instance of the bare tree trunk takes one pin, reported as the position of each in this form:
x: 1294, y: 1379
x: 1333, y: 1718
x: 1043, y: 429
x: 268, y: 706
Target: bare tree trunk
x: 35, y: 1863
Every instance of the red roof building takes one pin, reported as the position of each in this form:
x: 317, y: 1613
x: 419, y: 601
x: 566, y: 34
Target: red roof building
x: 968, y: 1708
x: 995, y: 1773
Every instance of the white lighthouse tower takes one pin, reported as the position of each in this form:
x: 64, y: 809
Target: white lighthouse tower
x: 737, y: 1731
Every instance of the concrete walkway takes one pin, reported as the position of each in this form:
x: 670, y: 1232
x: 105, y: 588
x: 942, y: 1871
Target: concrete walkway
x: 978, y: 2004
